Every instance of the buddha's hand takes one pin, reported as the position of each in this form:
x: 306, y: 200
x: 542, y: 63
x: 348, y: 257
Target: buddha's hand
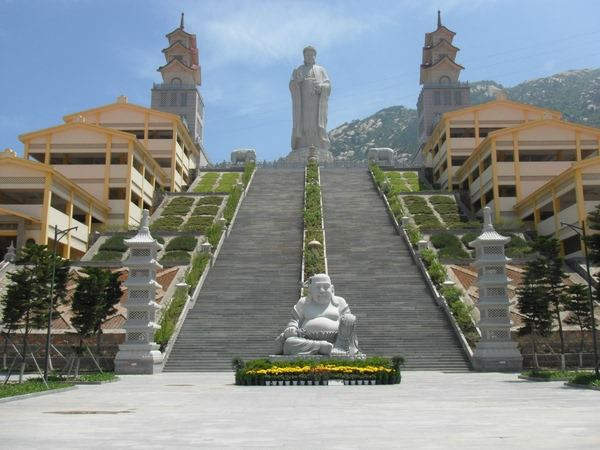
x: 290, y: 331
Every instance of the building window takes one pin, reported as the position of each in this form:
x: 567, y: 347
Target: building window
x: 572, y: 244
x: 459, y: 160
x: 445, y: 79
x: 457, y: 98
x: 176, y: 81
x: 437, y: 98
x: 483, y: 132
x: 447, y: 98
x: 163, y: 162
x: 487, y: 162
x: 173, y: 99
x: 567, y: 200
x: 505, y: 155
x: 118, y: 158
x: 507, y: 191
x: 462, y: 132
x: 160, y: 134
x: 163, y: 99
x: 585, y: 153
x: 117, y: 193
x: 183, y: 99
x: 21, y: 197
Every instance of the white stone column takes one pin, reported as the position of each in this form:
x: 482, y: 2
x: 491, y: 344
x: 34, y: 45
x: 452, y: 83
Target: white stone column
x: 140, y: 354
x: 495, y: 351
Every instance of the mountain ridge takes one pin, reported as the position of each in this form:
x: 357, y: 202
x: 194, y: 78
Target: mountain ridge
x: 574, y: 93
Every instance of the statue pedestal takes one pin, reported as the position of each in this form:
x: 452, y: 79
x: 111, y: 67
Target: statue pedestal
x: 302, y: 155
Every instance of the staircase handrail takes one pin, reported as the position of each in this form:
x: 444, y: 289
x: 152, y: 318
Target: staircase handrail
x: 440, y: 300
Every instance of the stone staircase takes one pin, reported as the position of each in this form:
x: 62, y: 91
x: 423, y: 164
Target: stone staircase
x: 371, y: 267
x: 248, y: 295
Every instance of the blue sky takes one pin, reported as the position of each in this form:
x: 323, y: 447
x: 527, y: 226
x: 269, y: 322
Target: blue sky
x: 61, y: 56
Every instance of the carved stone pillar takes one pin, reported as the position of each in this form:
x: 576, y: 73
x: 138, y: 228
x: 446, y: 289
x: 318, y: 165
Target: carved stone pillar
x: 495, y: 351
x: 140, y: 354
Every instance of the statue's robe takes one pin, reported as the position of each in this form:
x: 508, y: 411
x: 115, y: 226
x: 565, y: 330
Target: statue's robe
x: 314, y: 326
x: 309, y: 108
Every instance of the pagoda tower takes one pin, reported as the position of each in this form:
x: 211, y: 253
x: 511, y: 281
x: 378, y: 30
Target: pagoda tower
x: 178, y: 93
x: 441, y: 92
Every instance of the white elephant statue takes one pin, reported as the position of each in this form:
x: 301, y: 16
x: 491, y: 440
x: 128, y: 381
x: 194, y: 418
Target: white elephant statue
x: 381, y: 155
x: 242, y: 155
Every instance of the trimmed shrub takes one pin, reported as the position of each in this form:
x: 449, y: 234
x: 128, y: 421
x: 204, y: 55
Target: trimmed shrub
x: 210, y: 200
x: 213, y: 234
x: 415, y: 208
x: 198, y: 224
x: 114, y: 244
x: 231, y: 205
x: 167, y: 223
x: 469, y: 237
x: 248, y: 170
x: 517, y: 247
x: 427, y: 221
x: 414, y: 235
x: 442, y: 200
x: 186, y: 243
x: 442, y: 240
x: 205, y: 210
x: 169, y: 319
x: 108, y: 255
x: 179, y: 206
x: 177, y: 255
x: 446, y: 209
x: 453, y: 253
x: 414, y: 200
x: 199, y: 263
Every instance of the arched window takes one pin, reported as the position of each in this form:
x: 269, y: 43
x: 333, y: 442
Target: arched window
x: 445, y: 80
x: 176, y: 81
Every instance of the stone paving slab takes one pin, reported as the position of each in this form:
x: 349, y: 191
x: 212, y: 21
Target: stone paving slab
x: 429, y: 410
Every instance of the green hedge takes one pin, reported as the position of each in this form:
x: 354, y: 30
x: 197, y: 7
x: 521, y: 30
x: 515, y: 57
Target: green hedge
x: 248, y: 170
x: 114, y: 244
x: 205, y: 209
x: 108, y: 255
x: 469, y: 237
x: 195, y: 271
x: 382, y: 370
x: 167, y: 223
x: 176, y: 255
x: 314, y: 258
x: 178, y: 206
x: 427, y: 221
x: 187, y: 243
x: 198, y: 224
x: 461, y: 312
x: 448, y: 246
x: 169, y: 319
x: 210, y: 200
x: 213, y: 234
x: 517, y: 247
x: 410, y: 200
x: 442, y: 200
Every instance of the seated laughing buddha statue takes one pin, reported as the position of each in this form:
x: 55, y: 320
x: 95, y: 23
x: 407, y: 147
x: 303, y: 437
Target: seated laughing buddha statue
x: 321, y: 324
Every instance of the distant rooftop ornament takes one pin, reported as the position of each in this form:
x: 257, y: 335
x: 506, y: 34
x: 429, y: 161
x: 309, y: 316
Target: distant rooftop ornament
x: 8, y: 153
x: 181, y: 24
x: 439, y: 19
x: 501, y: 95
x: 122, y: 99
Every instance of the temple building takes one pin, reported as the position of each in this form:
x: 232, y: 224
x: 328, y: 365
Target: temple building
x: 178, y: 94
x: 442, y: 91
x: 104, y: 165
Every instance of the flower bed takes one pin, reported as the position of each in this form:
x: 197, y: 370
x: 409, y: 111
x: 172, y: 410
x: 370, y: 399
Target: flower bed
x: 205, y: 209
x: 198, y: 224
x: 178, y: 206
x: 261, y: 372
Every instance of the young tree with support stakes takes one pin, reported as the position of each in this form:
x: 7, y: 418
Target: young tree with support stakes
x: 552, y: 279
x: 28, y: 294
x: 534, y: 305
x: 578, y: 305
x: 97, y: 293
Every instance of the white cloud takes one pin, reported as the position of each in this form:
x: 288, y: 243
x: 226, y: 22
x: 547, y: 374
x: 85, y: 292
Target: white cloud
x: 267, y: 31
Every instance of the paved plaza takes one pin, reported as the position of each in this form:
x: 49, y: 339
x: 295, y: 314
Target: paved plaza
x: 430, y: 410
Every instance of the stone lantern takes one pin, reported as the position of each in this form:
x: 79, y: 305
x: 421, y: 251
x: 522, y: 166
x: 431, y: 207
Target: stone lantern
x: 140, y: 354
x: 495, y: 351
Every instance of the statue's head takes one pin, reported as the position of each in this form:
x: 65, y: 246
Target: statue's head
x: 320, y: 289
x: 310, y: 55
